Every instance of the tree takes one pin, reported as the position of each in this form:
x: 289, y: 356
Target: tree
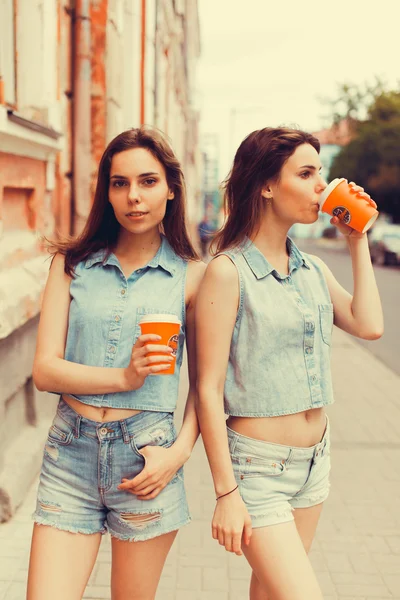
x: 372, y: 158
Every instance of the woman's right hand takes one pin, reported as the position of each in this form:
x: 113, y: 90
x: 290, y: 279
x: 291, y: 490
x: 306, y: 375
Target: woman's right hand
x: 232, y: 523
x: 141, y: 365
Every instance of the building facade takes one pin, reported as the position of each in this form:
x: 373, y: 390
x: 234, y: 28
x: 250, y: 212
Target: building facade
x: 212, y: 195
x: 73, y: 74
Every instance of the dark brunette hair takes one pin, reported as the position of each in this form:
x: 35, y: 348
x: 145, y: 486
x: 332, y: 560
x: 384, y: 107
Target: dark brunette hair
x: 102, y: 228
x: 259, y: 158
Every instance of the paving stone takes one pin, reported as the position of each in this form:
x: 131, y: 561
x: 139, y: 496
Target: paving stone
x: 215, y: 579
x: 337, y: 562
x: 360, y: 590
x: 189, y: 578
x: 393, y: 583
x: 387, y: 564
x: 16, y: 591
x: 362, y: 563
x: 95, y: 592
x: 357, y: 578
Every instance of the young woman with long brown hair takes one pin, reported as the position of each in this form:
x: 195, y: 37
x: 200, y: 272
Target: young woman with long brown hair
x: 264, y: 322
x: 112, y: 460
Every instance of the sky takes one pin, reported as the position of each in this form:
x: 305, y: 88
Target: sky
x: 269, y: 62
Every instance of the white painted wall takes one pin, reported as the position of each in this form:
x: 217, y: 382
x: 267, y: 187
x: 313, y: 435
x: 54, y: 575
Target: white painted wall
x: 7, y: 49
x: 37, y: 69
x: 114, y: 58
x: 131, y: 63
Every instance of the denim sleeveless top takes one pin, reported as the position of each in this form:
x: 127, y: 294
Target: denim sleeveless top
x: 279, y: 361
x: 104, y: 316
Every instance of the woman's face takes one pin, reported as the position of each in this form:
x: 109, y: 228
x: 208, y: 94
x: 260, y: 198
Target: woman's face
x: 295, y: 197
x: 138, y: 190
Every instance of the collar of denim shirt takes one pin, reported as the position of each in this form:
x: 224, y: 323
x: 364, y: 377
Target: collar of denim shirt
x: 165, y: 258
x: 261, y: 267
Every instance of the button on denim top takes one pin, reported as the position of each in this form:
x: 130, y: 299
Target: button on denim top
x: 104, y: 316
x: 279, y: 361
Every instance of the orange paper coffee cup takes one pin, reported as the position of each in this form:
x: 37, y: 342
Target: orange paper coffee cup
x: 340, y: 201
x: 168, y: 327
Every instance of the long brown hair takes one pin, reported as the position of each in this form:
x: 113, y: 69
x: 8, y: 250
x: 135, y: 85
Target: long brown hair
x: 102, y: 228
x: 259, y: 158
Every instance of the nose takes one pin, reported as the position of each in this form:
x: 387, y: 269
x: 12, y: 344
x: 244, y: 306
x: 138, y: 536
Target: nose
x: 322, y: 184
x: 134, y: 196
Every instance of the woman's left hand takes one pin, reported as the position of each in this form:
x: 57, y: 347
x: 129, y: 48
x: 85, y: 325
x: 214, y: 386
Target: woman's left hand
x: 346, y: 230
x: 161, y: 464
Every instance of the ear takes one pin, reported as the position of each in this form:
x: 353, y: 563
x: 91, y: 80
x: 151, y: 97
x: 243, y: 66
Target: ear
x: 171, y: 195
x: 266, y: 192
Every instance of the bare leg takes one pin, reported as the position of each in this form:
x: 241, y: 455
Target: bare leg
x: 306, y: 520
x: 60, y: 563
x: 137, y: 567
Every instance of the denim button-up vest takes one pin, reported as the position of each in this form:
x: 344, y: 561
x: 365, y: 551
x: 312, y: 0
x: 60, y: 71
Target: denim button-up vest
x: 104, y: 316
x: 279, y: 361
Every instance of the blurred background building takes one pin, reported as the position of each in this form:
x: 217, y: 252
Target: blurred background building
x: 73, y: 74
x: 211, y: 197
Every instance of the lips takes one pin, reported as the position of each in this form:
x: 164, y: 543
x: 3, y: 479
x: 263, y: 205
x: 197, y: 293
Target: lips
x: 136, y: 214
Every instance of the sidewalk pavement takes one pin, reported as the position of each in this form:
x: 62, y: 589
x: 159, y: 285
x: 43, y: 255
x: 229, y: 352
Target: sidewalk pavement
x: 356, y: 554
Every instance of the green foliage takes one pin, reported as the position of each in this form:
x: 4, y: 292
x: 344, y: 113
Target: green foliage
x: 352, y: 101
x: 372, y: 158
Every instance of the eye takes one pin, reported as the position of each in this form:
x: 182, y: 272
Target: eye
x: 150, y: 181
x: 118, y: 183
x: 305, y: 174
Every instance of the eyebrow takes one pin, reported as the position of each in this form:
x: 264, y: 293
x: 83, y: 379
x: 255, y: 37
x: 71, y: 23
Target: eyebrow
x: 141, y: 175
x: 312, y: 167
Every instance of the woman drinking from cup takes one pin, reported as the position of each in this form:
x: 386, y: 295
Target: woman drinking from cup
x: 112, y: 460
x: 264, y: 322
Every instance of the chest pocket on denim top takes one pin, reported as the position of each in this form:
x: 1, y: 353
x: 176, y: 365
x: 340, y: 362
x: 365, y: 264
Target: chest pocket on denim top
x: 326, y: 322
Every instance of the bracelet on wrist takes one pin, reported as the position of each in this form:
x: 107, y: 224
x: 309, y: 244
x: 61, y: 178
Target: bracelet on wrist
x: 227, y: 493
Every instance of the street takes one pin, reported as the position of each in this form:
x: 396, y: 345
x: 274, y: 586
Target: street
x: 387, y: 349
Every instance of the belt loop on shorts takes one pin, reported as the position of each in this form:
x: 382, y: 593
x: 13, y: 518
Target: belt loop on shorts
x: 77, y: 427
x: 125, y: 433
x: 232, y: 439
x: 289, y: 458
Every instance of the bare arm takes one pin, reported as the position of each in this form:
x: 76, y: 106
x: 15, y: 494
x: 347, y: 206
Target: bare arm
x: 190, y: 428
x: 361, y: 314
x: 215, y: 320
x: 51, y: 372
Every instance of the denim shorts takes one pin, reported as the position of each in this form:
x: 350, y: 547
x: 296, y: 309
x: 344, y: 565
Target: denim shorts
x: 274, y: 479
x: 84, y: 462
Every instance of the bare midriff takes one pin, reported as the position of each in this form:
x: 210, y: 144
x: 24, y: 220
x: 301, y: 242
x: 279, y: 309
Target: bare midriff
x: 99, y: 413
x: 302, y: 429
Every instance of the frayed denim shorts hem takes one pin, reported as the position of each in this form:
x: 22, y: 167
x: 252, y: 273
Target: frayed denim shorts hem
x: 129, y: 537
x: 84, y: 461
x: 61, y: 526
x: 274, y: 480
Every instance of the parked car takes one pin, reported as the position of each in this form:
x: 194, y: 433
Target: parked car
x: 384, y: 244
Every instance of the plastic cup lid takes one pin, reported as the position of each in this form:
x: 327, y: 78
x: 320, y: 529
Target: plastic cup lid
x: 328, y: 189
x: 160, y: 318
